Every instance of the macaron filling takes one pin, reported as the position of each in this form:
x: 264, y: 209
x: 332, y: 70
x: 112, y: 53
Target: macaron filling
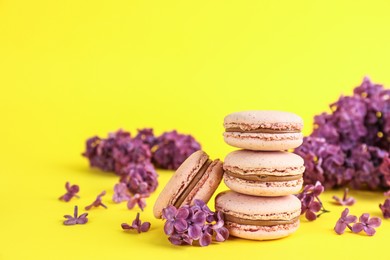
x: 262, y: 130
x: 258, y: 222
x: 187, y: 190
x: 265, y: 177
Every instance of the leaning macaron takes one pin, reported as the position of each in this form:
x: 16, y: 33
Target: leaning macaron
x: 263, y: 130
x: 197, y: 178
x: 259, y: 218
x: 263, y: 173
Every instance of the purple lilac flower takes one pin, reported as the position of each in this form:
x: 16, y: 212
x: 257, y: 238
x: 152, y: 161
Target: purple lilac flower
x: 121, y: 193
x: 172, y: 149
x: 310, y: 201
x: 349, y: 146
x: 137, y: 225
x: 140, y: 178
x: 137, y: 199
x: 71, y: 191
x: 344, y: 201
x: 385, y: 208
x: 344, y: 221
x: 194, y: 223
x: 367, y: 224
x: 98, y: 201
x: 75, y: 219
x: 146, y: 135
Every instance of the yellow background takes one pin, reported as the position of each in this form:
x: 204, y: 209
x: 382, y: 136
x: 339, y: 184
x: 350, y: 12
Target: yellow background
x: 73, y: 69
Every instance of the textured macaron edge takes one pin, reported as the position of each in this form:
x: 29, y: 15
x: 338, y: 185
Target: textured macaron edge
x: 179, y: 181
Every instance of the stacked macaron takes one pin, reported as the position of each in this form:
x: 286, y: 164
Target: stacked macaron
x: 263, y: 176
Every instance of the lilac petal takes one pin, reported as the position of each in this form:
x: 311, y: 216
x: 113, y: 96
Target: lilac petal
x: 182, y: 213
x: 145, y: 226
x: 83, y: 215
x: 199, y: 217
x: 194, y: 232
x: 168, y: 228
x: 222, y: 234
x: 169, y: 212
x: 126, y: 226
x: 345, y: 213
x: 82, y: 220
x: 350, y: 219
x: 364, y: 218
x: 88, y: 207
x: 205, y: 239
x: 175, y: 240
x: 315, y: 206
x: 369, y: 230
x: 350, y: 201
x: 68, y: 216
x: 374, y: 222
x: 187, y: 240
x: 356, y: 228
x: 340, y: 227
x: 131, y: 203
x: 310, y: 215
x: 181, y: 225
x: 70, y: 221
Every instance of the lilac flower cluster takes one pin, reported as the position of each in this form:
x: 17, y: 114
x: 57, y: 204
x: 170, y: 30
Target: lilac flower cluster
x: 131, y: 159
x: 194, y: 223
x: 350, y: 145
x: 310, y: 201
x: 365, y: 223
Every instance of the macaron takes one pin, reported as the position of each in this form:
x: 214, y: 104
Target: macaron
x: 197, y: 178
x: 263, y: 173
x: 263, y: 130
x: 259, y: 218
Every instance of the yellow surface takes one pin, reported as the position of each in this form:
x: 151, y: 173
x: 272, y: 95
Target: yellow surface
x: 73, y: 69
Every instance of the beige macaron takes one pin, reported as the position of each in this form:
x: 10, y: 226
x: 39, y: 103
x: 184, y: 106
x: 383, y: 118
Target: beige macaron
x: 259, y: 218
x: 197, y: 178
x: 263, y: 130
x: 263, y: 173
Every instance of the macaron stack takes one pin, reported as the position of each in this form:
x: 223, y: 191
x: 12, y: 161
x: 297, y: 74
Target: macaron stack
x: 263, y: 176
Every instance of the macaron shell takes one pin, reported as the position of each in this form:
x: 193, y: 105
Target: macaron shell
x: 268, y: 189
x: 274, y: 163
x: 260, y: 208
x: 207, y: 185
x: 263, y: 142
x: 179, y: 181
x: 261, y: 233
x: 266, y: 119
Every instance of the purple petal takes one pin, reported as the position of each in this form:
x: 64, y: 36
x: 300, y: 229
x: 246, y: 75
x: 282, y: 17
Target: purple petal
x: 131, y: 203
x: 194, y: 232
x: 345, y: 213
x: 181, y: 225
x: 126, y: 226
x: 364, y: 218
x: 175, y: 240
x: 205, y: 239
x: 145, y: 226
x: 356, y: 228
x: 71, y: 221
x: 369, y: 230
x: 169, y: 212
x: 199, y: 217
x: 350, y: 219
x: 82, y: 220
x: 340, y: 227
x: 68, y: 216
x: 374, y: 222
x: 310, y: 215
x: 315, y: 206
x: 222, y: 234
x: 182, y: 213
x: 168, y: 228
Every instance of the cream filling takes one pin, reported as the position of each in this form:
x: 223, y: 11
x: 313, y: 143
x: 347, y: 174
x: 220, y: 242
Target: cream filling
x: 264, y: 178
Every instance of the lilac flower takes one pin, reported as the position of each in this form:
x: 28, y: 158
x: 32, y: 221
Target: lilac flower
x: 344, y: 221
x: 75, y: 219
x: 385, y: 208
x: 140, y: 178
x: 175, y: 219
x: 310, y: 201
x: 387, y: 193
x: 98, y: 201
x: 194, y: 223
x: 172, y: 149
x: 146, y: 135
x: 350, y: 145
x: 222, y: 233
x: 345, y: 201
x: 137, y: 225
x: 367, y: 224
x: 137, y: 199
x: 71, y: 191
x: 121, y: 193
